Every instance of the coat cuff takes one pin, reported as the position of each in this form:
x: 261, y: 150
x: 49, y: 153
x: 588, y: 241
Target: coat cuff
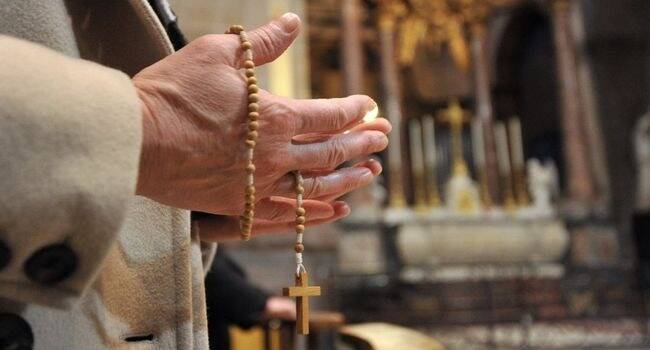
x: 70, y: 134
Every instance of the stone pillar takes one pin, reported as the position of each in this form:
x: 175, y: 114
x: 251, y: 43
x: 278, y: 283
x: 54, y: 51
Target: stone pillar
x: 580, y: 187
x: 352, y: 47
x: 365, y: 202
x: 484, y: 109
x: 392, y: 100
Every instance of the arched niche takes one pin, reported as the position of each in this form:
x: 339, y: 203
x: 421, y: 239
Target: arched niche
x: 524, y: 79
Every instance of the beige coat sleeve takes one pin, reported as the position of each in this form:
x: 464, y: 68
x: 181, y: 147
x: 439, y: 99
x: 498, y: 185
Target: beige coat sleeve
x: 70, y: 133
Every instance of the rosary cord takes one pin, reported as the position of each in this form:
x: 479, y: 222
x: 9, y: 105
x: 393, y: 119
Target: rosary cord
x: 246, y: 219
x: 300, y: 223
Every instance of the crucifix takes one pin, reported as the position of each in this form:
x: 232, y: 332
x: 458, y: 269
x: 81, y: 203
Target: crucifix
x: 302, y: 291
x: 456, y: 117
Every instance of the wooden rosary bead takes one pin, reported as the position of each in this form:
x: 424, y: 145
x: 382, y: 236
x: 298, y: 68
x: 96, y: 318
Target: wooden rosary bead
x: 300, y: 190
x: 300, y: 211
x: 300, y: 228
x: 246, y: 219
x: 300, y: 220
x: 299, y: 248
x: 235, y: 29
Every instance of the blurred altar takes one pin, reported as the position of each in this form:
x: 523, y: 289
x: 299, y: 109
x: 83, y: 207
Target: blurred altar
x: 513, y: 179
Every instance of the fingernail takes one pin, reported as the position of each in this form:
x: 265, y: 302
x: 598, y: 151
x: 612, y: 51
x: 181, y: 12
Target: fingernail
x: 365, y: 173
x: 290, y: 22
x: 373, y: 112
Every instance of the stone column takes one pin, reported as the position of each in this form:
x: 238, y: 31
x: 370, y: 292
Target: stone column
x: 484, y: 109
x: 578, y: 173
x: 365, y: 202
x: 352, y: 47
x: 392, y: 100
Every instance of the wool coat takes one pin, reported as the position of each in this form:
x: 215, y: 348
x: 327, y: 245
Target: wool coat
x: 84, y: 262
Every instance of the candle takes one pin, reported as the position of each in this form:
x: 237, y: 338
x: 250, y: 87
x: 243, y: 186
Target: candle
x: 478, y: 145
x: 415, y: 138
x: 428, y: 127
x: 516, y: 143
x: 501, y: 138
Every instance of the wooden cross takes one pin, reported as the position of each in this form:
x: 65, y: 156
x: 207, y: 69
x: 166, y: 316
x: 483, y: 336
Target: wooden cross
x: 302, y: 291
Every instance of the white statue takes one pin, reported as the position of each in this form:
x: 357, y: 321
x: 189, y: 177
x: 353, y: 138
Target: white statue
x: 543, y: 186
x: 642, y: 145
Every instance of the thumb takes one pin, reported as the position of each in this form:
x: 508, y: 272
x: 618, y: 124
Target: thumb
x: 272, y: 39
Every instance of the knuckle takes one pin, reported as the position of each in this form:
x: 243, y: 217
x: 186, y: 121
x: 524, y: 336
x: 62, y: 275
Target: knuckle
x: 339, y: 116
x: 267, y: 40
x: 285, y: 118
x: 336, y: 154
x: 316, y: 187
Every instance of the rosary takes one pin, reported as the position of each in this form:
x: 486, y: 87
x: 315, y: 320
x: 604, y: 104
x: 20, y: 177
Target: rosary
x: 301, y: 291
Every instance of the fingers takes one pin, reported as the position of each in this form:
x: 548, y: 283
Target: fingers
x: 380, y: 124
x: 332, y: 184
x: 268, y: 41
x: 341, y: 210
x: 215, y: 228
x: 338, y: 149
x: 331, y: 115
x: 373, y: 165
x: 283, y: 209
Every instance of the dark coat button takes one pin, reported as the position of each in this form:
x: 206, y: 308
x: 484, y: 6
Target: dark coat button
x: 5, y: 255
x: 51, y: 264
x: 15, y: 333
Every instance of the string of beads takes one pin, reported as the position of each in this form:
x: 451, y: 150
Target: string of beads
x: 300, y: 223
x: 246, y: 219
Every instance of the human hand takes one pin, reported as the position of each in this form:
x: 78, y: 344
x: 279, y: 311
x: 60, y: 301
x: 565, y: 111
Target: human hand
x: 280, y: 308
x: 278, y: 214
x: 195, y: 111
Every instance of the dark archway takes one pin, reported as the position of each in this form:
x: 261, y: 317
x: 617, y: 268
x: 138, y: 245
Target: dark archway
x: 526, y: 84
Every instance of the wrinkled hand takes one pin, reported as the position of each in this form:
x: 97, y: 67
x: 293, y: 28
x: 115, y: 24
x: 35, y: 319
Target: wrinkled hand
x: 195, y: 111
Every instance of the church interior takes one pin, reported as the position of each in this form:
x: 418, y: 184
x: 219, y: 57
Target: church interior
x: 514, y: 206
